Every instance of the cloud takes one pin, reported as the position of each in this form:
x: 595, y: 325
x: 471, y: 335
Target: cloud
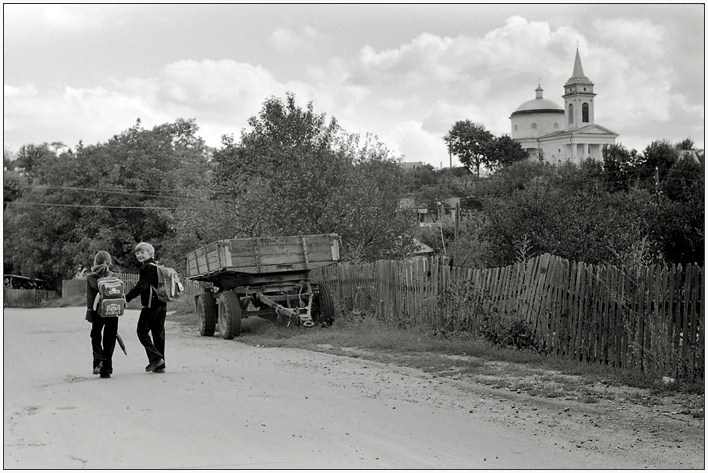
x: 307, y: 40
x: 416, y: 144
x: 409, y: 95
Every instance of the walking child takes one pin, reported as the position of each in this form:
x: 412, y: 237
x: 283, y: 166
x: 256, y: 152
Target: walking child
x: 152, y: 315
x: 104, y: 344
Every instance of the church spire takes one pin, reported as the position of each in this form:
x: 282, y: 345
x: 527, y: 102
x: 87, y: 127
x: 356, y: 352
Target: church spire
x: 578, y: 66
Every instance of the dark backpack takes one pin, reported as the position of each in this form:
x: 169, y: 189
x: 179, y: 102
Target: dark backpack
x: 110, y: 300
x: 169, y: 288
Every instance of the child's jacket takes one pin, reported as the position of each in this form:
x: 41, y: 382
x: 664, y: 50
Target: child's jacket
x: 145, y: 286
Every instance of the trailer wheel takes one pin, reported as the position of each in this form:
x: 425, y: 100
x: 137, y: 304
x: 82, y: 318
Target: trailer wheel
x: 206, y: 314
x: 230, y: 313
x: 323, y: 307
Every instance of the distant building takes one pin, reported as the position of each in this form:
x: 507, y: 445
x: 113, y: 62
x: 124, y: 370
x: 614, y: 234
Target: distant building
x: 557, y: 134
x: 413, y: 166
x: 442, y: 212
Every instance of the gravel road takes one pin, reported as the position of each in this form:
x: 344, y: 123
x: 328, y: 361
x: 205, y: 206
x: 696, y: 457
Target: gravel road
x: 225, y: 404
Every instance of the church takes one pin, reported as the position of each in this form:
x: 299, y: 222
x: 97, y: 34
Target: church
x: 558, y: 134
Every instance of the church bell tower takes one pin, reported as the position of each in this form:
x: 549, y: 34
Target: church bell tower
x: 579, y: 98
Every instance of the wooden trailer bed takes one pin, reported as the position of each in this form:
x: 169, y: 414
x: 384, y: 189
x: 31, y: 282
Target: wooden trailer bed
x: 262, y: 256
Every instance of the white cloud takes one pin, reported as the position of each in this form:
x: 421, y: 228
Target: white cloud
x: 416, y: 144
x: 307, y: 40
x: 409, y: 95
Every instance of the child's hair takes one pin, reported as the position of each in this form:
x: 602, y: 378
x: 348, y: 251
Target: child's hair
x: 145, y: 246
x: 102, y: 257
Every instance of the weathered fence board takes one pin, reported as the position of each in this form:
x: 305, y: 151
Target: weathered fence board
x: 645, y: 318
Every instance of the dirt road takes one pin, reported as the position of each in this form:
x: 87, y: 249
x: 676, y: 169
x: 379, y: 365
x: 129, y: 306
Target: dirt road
x: 224, y: 404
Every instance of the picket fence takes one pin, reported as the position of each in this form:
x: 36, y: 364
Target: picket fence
x: 646, y: 318
x: 77, y: 287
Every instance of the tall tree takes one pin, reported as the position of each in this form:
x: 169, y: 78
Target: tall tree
x: 297, y: 172
x: 470, y: 142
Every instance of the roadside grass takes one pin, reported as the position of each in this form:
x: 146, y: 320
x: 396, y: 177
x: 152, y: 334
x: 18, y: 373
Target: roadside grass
x: 451, y: 356
x: 458, y: 355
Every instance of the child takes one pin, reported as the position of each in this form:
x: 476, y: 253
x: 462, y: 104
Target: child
x: 102, y: 352
x: 152, y: 315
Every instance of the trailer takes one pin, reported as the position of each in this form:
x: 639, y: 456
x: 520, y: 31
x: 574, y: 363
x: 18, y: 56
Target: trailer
x: 268, y: 277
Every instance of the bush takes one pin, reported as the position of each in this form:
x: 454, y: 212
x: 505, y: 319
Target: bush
x: 514, y: 333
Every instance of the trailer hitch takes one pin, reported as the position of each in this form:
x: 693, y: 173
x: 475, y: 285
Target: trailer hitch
x: 302, y: 314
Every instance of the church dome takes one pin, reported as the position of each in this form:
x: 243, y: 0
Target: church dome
x: 538, y: 105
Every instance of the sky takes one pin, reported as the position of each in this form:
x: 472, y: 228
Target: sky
x: 404, y: 73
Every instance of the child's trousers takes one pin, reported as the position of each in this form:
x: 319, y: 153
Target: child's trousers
x: 103, y: 346
x: 152, y: 322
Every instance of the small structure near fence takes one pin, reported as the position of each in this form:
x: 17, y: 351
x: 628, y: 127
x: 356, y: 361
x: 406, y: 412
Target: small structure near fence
x: 21, y: 291
x: 645, y: 318
x: 27, y: 297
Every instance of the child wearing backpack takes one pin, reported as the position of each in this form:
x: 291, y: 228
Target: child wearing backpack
x: 102, y: 345
x: 154, y: 311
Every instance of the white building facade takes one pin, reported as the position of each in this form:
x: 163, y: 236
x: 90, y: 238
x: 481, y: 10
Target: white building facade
x: 557, y: 134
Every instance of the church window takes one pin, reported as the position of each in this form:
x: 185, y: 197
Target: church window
x: 570, y: 113
x: 586, y: 113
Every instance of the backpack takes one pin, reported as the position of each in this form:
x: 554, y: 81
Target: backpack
x: 169, y: 288
x: 110, y: 300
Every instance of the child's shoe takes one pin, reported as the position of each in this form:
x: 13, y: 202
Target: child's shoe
x: 153, y: 365
x: 105, y: 374
x: 97, y: 367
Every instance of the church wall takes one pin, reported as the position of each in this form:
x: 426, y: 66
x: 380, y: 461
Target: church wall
x: 522, y: 126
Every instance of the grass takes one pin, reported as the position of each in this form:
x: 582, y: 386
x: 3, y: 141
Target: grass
x: 452, y: 356
x: 461, y: 354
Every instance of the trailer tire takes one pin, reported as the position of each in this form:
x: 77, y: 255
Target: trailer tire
x: 323, y: 312
x: 206, y: 314
x: 230, y: 314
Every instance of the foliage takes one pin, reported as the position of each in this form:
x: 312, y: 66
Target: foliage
x: 470, y: 142
x: 470, y: 249
x: 567, y: 213
x: 108, y: 196
x: 503, y: 151
x: 659, y: 157
x: 295, y: 172
x: 506, y: 333
x: 621, y: 167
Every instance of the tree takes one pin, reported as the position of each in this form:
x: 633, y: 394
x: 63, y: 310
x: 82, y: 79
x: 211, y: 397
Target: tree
x: 621, y: 166
x: 296, y: 172
x: 567, y: 213
x: 108, y: 196
x: 686, y: 144
x: 659, y: 157
x: 470, y: 142
x: 504, y: 151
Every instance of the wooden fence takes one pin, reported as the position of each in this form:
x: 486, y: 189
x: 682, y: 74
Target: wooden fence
x: 77, y: 287
x: 646, y: 318
x: 27, y: 297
